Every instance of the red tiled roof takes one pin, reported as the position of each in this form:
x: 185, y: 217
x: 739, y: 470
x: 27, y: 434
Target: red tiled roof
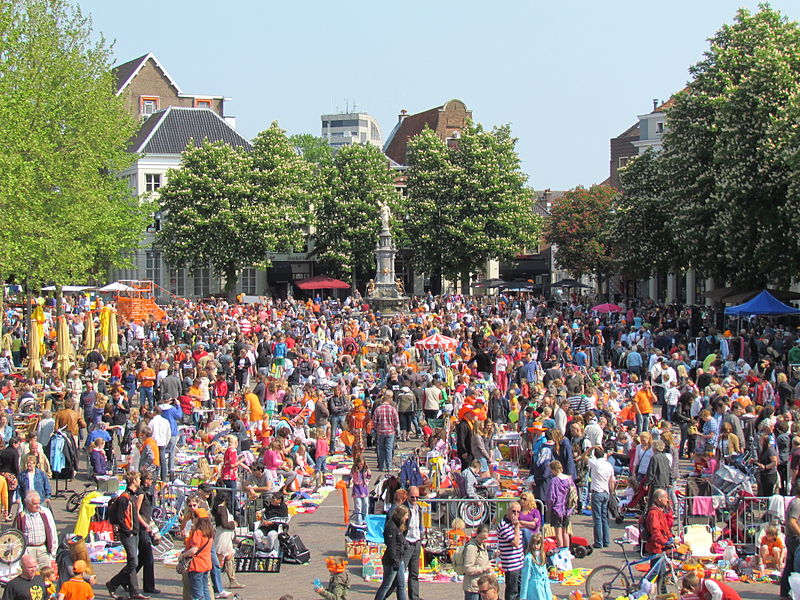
x: 409, y: 127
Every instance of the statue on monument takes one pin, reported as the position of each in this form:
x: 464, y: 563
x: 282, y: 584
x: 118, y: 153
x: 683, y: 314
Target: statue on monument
x: 371, y: 287
x: 385, y: 214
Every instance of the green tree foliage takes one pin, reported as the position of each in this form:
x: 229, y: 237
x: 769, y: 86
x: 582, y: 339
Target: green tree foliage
x: 348, y: 216
x: 63, y: 136
x: 579, y: 226
x: 227, y: 208
x: 467, y: 203
x: 640, y: 239
x: 728, y: 154
x: 315, y: 150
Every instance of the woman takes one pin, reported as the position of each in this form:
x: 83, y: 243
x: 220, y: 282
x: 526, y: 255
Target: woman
x: 557, y: 499
x: 767, y: 462
x: 534, y: 582
x: 709, y: 432
x: 644, y: 452
x: 198, y: 548
x: 223, y: 539
x: 728, y: 442
x: 394, y: 536
x: 785, y: 391
x: 476, y: 562
x: 530, y: 519
x: 481, y: 442
x: 683, y: 417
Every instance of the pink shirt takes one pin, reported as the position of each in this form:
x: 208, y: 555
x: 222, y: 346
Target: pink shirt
x: 322, y: 448
x: 273, y: 460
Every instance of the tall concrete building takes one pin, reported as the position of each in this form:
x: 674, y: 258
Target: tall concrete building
x: 344, y: 129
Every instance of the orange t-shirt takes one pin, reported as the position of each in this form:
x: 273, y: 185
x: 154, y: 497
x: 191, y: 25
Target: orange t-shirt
x: 644, y: 400
x: 201, y: 562
x: 256, y: 411
x: 771, y: 545
x: 77, y: 589
x: 148, y: 372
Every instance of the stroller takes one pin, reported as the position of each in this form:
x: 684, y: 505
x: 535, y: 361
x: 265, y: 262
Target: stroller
x: 737, y: 474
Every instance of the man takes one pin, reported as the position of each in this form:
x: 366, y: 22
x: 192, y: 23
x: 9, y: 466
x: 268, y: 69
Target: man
x: 39, y: 528
x: 488, y: 588
x: 633, y: 362
x: 147, y: 380
x: 162, y: 432
x: 386, y: 423
x: 659, y: 470
x: 173, y: 414
x: 464, y: 433
x: 734, y: 417
x: 338, y: 406
x: 32, y: 447
x: 27, y: 585
x: 273, y: 518
x: 68, y: 417
x: 643, y: 405
x: 33, y: 478
x: 414, y: 539
x: 128, y: 533
x: 658, y: 528
x: 792, y: 538
x: 509, y: 542
x: 602, y: 486
x: 170, y: 386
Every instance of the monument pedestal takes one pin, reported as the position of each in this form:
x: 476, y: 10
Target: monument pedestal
x: 385, y: 294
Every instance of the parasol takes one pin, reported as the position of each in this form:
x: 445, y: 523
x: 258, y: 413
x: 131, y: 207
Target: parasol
x: 607, y: 308
x: 105, y: 315
x: 36, y: 341
x: 113, y: 335
x: 322, y: 282
x: 89, y: 336
x: 64, y: 350
x: 437, y: 341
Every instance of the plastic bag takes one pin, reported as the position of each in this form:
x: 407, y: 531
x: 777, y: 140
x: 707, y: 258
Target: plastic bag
x: 562, y: 560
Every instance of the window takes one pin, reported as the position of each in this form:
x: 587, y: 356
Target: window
x: 202, y: 282
x: 202, y: 103
x: 149, y: 105
x: 344, y: 123
x: 177, y: 282
x: 249, y: 282
x: 155, y: 225
x: 624, y: 160
x: 152, y: 267
x: 152, y: 181
x: 660, y: 127
x: 373, y: 132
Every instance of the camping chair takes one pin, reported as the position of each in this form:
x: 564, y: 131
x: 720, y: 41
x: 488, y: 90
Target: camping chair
x: 167, y: 543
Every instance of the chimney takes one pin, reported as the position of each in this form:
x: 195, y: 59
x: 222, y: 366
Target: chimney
x: 403, y: 114
x: 655, y: 104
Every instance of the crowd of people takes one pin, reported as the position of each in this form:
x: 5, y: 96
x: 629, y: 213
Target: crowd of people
x: 605, y: 406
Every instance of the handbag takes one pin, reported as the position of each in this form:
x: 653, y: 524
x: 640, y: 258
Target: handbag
x: 184, y: 562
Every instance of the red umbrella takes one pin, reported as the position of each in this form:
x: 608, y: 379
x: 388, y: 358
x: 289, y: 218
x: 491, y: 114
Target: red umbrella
x: 322, y: 282
x: 437, y: 341
x: 607, y: 308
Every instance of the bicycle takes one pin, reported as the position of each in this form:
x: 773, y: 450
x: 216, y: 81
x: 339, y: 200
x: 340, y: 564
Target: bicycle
x: 612, y: 581
x: 76, y: 498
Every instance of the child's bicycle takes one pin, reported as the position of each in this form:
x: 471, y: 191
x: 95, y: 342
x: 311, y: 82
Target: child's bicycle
x: 611, y: 581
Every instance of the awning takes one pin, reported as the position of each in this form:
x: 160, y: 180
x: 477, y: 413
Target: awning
x: 68, y: 288
x: 763, y: 304
x: 322, y: 282
x: 117, y: 287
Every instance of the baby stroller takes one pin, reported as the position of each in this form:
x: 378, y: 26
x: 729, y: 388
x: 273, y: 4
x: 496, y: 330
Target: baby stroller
x: 730, y: 478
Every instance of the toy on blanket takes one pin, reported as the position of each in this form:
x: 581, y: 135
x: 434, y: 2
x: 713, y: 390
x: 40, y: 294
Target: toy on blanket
x: 339, y: 582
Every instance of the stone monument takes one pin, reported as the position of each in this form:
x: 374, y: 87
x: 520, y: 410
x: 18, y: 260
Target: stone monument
x: 386, y: 293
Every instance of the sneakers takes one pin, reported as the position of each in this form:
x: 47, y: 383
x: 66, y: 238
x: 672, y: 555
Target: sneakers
x: 225, y: 594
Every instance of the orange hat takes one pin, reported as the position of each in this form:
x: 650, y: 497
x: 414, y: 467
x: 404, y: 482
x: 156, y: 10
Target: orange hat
x: 201, y: 512
x: 537, y: 427
x: 79, y: 566
x: 336, y: 565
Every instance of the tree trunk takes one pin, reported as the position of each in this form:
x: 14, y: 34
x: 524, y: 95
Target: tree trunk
x: 436, y: 281
x: 231, y: 279
x: 28, y: 315
x: 59, y: 300
x: 465, y: 281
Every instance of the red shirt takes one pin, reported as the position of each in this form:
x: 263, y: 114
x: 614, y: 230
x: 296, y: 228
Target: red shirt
x: 229, y: 472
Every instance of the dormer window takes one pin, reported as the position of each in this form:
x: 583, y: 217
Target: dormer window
x: 202, y: 103
x: 149, y: 105
x: 660, y: 127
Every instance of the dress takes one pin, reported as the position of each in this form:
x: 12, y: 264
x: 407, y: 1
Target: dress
x: 223, y: 538
x: 534, y: 583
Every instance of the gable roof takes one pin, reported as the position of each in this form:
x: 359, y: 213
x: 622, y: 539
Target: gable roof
x: 411, y: 125
x: 124, y: 73
x: 169, y: 131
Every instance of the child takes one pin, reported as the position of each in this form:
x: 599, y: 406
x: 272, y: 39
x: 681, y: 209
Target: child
x: 78, y: 587
x: 321, y: 456
x: 772, y: 551
x: 339, y: 582
x: 359, y: 477
x: 98, y: 459
x: 48, y: 575
x: 534, y: 582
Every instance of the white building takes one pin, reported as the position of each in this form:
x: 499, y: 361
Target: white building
x: 351, y: 128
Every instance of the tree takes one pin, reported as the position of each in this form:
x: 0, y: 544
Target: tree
x: 639, y: 238
x: 63, y: 137
x: 467, y: 202
x: 227, y: 208
x: 348, y: 223
x: 579, y: 227
x: 728, y: 168
x: 315, y: 150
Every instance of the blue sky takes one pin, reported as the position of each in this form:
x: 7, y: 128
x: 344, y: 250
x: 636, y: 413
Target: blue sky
x: 567, y: 75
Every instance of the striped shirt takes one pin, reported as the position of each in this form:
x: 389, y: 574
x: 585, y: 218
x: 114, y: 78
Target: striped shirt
x: 511, y: 557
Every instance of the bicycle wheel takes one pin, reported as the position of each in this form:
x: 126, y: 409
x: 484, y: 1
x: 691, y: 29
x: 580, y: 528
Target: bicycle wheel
x: 73, y: 502
x: 610, y: 582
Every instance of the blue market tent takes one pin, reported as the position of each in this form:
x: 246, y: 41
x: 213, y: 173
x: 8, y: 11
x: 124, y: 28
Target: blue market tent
x: 763, y: 304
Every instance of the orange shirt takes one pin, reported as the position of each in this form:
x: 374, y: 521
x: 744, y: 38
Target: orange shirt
x: 771, y: 545
x: 256, y: 411
x: 644, y: 400
x: 145, y: 376
x: 201, y: 562
x: 77, y: 589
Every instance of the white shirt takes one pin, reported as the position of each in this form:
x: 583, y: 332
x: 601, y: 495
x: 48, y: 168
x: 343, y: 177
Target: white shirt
x: 161, y: 430
x: 601, y: 473
x: 594, y: 433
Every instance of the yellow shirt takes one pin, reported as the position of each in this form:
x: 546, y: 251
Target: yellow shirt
x: 254, y: 407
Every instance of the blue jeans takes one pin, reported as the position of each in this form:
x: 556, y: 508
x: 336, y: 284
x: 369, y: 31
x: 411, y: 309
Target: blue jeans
x: 216, y: 574
x: 385, y: 447
x: 146, y: 396
x: 392, y: 576
x: 198, y: 585
x: 336, y: 424
x: 361, y: 507
x: 600, y: 518
x: 642, y: 422
x: 168, y: 467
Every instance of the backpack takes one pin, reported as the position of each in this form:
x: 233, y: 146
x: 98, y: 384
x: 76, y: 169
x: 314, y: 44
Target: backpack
x: 114, y: 511
x: 572, y: 498
x: 458, y: 558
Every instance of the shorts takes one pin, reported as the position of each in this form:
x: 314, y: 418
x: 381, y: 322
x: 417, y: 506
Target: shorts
x: 555, y: 521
